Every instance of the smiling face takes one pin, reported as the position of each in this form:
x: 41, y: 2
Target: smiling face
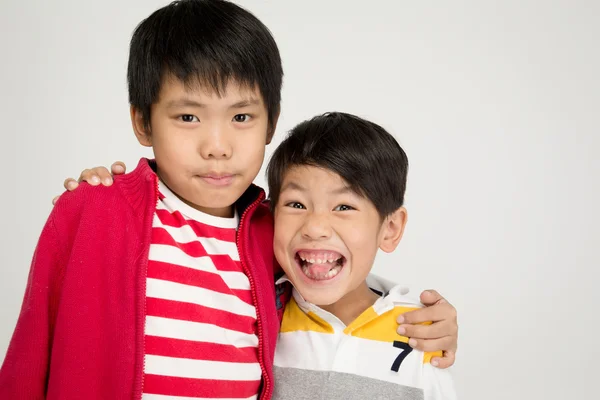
x: 208, y: 148
x: 327, y: 236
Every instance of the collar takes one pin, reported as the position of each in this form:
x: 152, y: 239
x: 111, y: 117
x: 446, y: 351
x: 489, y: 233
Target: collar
x: 392, y: 295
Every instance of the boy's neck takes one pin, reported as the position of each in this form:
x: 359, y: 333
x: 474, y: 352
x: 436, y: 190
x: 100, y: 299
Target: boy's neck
x: 226, y: 212
x: 349, y: 307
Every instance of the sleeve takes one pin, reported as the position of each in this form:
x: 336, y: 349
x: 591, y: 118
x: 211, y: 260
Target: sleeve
x: 438, y: 383
x: 24, y: 372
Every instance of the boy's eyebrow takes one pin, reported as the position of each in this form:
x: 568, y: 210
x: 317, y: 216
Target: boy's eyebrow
x: 295, y: 186
x: 245, y: 103
x: 184, y: 102
x: 342, y: 190
x: 292, y: 186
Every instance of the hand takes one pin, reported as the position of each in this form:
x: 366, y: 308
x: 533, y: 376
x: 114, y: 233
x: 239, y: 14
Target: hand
x: 94, y: 177
x: 442, y: 334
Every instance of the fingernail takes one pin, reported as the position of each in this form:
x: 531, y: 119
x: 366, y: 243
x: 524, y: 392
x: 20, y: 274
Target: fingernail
x: 107, y: 181
x: 412, y: 342
x: 95, y: 180
x: 400, y: 319
x: 435, y: 363
x: 71, y: 185
x: 401, y: 330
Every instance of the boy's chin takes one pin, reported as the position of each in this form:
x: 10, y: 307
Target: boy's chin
x: 321, y: 298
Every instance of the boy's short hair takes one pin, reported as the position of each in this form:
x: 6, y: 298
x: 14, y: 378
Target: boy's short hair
x: 364, y: 154
x: 209, y: 42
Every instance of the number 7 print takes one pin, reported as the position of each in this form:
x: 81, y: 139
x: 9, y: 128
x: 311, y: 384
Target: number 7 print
x: 406, y: 349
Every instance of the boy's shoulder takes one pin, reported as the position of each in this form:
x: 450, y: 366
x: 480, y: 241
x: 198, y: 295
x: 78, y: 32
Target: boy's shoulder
x: 379, y: 322
x: 399, y: 295
x: 128, y: 193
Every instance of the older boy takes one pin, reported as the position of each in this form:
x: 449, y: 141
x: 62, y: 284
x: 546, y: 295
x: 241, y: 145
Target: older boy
x: 161, y: 286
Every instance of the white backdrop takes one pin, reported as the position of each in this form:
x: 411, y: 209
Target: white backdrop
x: 496, y: 103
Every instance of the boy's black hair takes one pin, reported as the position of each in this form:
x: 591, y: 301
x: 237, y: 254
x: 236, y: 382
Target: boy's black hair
x: 203, y: 41
x: 364, y: 154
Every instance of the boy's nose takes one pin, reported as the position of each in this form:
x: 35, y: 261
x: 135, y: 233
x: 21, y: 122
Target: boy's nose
x: 215, y: 145
x: 316, y: 227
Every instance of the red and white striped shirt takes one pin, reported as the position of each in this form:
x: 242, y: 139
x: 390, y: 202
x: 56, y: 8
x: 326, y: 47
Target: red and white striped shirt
x: 200, y: 336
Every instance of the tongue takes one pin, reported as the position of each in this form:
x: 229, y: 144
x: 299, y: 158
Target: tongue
x: 318, y: 269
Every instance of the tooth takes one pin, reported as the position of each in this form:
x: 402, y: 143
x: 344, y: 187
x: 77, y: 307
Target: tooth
x: 312, y: 261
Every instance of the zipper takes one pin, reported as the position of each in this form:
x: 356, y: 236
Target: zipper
x: 142, y: 317
x: 253, y: 289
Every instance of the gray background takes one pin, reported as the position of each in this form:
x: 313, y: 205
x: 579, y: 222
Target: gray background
x: 496, y: 103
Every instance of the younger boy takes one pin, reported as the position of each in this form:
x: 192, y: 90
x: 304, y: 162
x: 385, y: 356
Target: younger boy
x: 337, y: 186
x: 161, y: 286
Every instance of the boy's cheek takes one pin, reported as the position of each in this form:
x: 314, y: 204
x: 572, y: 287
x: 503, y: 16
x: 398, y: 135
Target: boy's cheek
x: 286, y: 229
x: 280, y: 246
x: 281, y: 258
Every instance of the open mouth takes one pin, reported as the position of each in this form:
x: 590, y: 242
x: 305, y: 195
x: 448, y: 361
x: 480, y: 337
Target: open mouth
x: 320, y: 265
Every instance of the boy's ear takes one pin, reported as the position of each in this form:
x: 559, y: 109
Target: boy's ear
x: 392, y: 230
x: 142, y: 132
x: 272, y: 127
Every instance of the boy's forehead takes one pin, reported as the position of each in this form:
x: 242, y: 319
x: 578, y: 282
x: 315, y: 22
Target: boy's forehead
x: 307, y: 177
x: 300, y: 176
x: 201, y: 89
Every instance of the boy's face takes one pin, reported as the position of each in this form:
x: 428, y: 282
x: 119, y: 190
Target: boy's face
x: 208, y: 148
x: 327, y: 236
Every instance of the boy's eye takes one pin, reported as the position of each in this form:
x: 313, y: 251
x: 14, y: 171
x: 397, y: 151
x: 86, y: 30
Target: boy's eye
x: 189, y: 118
x: 295, y: 204
x: 343, y: 207
x: 241, y: 118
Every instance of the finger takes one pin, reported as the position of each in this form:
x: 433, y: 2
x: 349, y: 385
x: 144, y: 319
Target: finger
x: 70, y: 184
x: 118, y: 168
x: 89, y: 176
x: 55, y: 199
x: 438, y: 312
x: 431, y: 297
x: 433, y: 331
x: 444, y: 362
x: 444, y: 344
x: 104, y: 176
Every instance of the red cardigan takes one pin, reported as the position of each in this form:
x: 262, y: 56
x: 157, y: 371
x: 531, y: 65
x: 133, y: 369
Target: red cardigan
x: 80, y: 334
